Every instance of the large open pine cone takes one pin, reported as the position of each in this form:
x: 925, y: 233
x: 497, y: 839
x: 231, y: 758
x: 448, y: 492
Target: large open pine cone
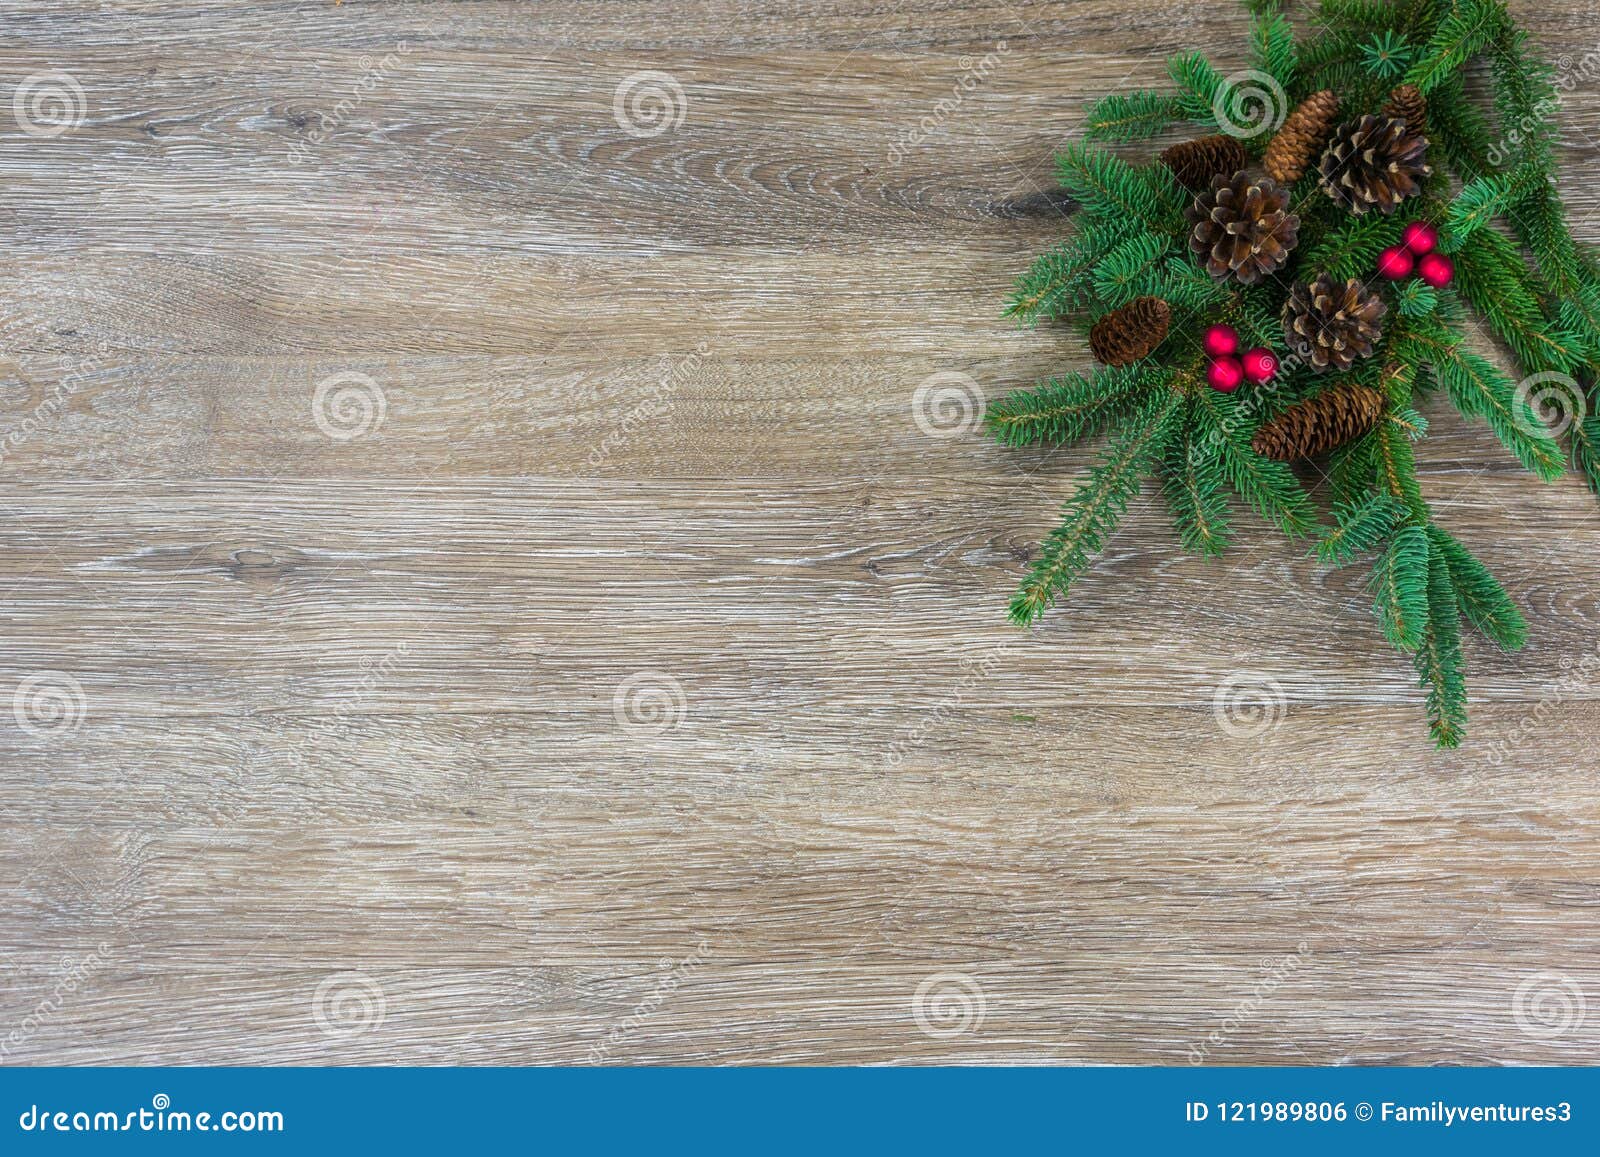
x: 1330, y: 325
x: 1374, y: 162
x: 1195, y: 162
x: 1301, y: 138
x: 1130, y: 332
x: 1243, y: 227
x: 1320, y: 423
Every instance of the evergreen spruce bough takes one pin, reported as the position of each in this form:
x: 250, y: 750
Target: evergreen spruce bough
x: 1491, y: 196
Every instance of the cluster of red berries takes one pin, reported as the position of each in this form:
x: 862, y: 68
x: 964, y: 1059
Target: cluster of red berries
x: 1416, y: 252
x: 1228, y: 368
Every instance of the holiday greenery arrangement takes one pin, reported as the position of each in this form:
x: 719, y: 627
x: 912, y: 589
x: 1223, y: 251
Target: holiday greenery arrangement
x: 1286, y: 286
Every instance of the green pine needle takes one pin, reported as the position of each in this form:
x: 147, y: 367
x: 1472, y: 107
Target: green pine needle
x: 1400, y: 588
x: 1351, y: 249
x: 1438, y: 657
x: 1386, y: 54
x: 1198, y: 84
x: 1586, y: 447
x: 1094, y: 511
x: 1417, y: 299
x: 1481, y: 390
x: 1127, y: 271
x: 1469, y: 27
x: 1061, y: 280
x: 1133, y: 116
x: 1483, y: 199
x: 1194, y: 487
x: 1068, y: 408
x: 1484, y: 602
x: 1272, y: 48
x: 1267, y: 487
x: 1107, y: 186
x: 1360, y: 527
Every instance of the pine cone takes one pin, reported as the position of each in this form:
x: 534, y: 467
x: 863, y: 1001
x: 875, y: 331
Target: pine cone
x: 1304, y: 132
x: 1373, y: 162
x: 1318, y: 424
x: 1407, y: 103
x: 1330, y: 325
x: 1195, y: 162
x: 1130, y: 332
x: 1242, y: 227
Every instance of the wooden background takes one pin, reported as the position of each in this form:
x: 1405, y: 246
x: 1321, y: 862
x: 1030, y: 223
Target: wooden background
x: 637, y: 688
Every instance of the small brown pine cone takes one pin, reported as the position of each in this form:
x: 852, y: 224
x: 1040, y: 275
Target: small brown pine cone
x: 1318, y: 424
x: 1304, y: 132
x: 1407, y: 103
x: 1130, y: 332
x: 1195, y: 162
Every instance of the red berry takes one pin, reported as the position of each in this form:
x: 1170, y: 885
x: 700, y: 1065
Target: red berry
x: 1436, y: 269
x: 1221, y: 341
x: 1395, y: 263
x: 1259, y: 365
x: 1225, y: 374
x: 1420, y: 237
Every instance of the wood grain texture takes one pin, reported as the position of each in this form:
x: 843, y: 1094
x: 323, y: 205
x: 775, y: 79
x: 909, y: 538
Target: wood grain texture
x: 633, y: 685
